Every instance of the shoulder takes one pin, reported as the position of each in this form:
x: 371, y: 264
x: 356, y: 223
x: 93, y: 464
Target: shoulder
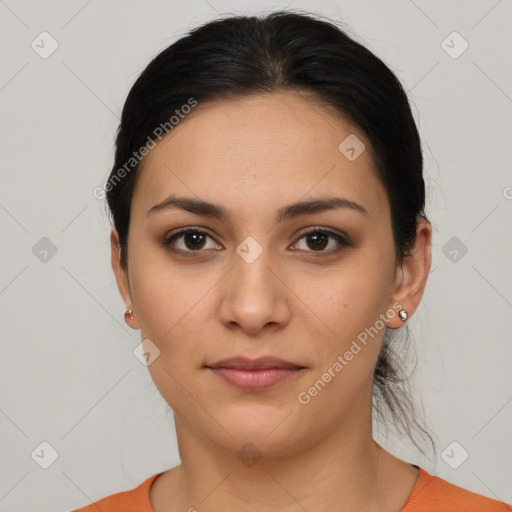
x: 134, y: 500
x: 434, y: 494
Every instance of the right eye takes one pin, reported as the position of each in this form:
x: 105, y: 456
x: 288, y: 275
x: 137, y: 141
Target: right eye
x: 193, y: 240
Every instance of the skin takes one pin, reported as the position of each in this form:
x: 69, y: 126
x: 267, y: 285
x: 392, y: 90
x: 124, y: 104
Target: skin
x: 254, y: 155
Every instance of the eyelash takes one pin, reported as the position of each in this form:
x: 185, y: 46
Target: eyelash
x: 344, y: 242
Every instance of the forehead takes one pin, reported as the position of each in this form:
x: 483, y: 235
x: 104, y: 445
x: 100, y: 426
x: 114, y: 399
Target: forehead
x: 260, y: 151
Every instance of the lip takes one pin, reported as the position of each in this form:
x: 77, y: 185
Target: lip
x: 255, y: 374
x: 261, y: 363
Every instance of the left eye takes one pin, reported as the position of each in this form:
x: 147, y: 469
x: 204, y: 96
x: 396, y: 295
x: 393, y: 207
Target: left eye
x: 317, y: 239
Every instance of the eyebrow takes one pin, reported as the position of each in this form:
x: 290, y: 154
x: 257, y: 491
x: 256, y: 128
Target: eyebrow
x: 207, y: 209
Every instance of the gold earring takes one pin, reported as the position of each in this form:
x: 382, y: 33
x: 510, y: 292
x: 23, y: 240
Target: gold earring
x: 403, y: 315
x: 129, y: 314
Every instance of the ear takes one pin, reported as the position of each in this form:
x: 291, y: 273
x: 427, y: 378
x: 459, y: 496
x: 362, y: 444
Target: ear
x: 123, y: 282
x: 411, y: 277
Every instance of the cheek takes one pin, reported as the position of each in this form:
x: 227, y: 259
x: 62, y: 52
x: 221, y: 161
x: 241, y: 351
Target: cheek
x: 345, y: 301
x: 171, y: 312
x: 350, y: 305
x: 348, y: 351
x: 166, y: 297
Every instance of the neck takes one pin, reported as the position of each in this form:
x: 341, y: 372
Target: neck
x: 344, y: 470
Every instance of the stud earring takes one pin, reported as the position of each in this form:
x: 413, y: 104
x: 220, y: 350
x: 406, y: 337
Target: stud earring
x: 129, y: 314
x: 403, y: 315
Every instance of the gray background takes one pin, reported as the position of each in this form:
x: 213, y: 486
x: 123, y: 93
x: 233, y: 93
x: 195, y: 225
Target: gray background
x: 68, y: 376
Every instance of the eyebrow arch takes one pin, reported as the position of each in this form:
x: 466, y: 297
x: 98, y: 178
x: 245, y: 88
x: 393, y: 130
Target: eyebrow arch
x: 206, y: 209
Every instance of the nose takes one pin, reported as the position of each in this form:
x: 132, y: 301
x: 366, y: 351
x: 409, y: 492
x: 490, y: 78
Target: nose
x: 255, y: 296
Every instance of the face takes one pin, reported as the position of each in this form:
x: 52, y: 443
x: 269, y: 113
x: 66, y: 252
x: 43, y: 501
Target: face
x: 305, y: 285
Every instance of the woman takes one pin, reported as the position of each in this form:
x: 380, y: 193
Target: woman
x: 269, y: 236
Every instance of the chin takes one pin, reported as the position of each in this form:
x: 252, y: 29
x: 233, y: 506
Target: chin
x: 271, y: 432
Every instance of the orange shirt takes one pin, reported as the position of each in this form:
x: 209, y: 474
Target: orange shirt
x: 430, y: 494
